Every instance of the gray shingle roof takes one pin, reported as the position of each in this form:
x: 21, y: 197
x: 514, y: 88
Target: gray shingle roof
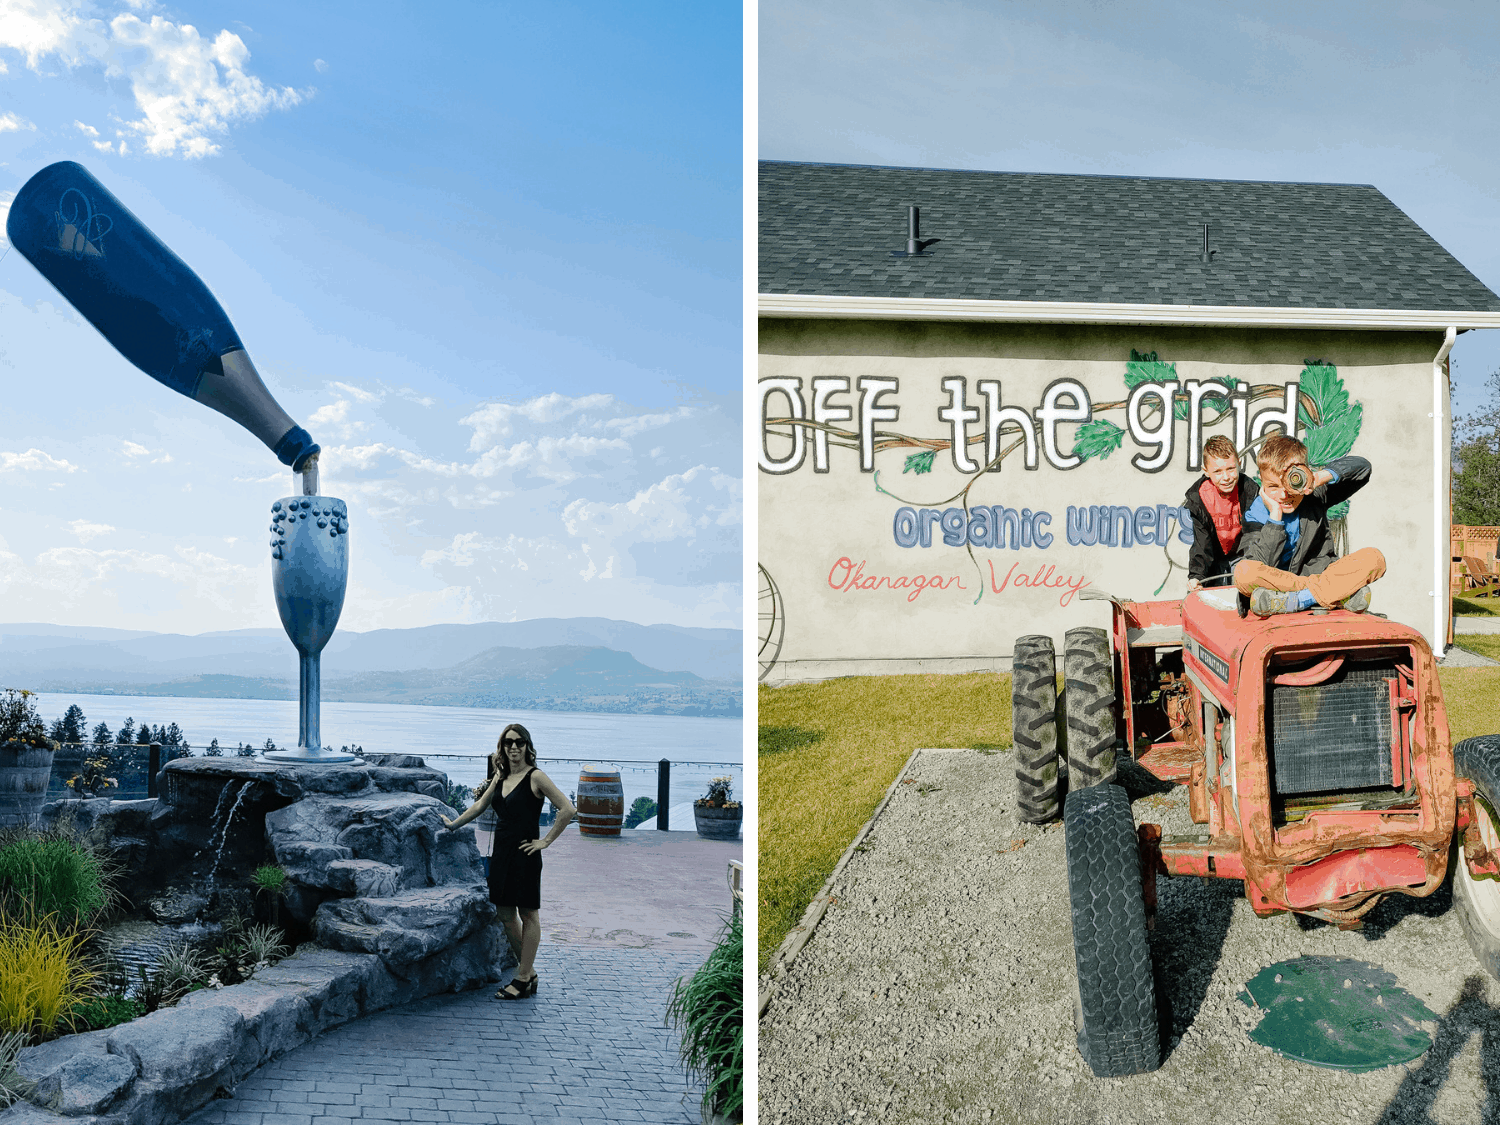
x: 1014, y: 236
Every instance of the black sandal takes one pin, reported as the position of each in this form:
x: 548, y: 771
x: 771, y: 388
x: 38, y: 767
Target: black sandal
x: 524, y: 989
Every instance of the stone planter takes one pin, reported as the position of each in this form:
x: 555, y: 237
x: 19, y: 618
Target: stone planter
x: 25, y: 771
x: 717, y: 824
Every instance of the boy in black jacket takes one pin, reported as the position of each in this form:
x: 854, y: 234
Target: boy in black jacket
x: 1218, y: 501
x: 1289, y: 562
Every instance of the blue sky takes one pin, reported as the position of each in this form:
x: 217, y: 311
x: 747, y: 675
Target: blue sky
x: 489, y: 254
x: 1399, y: 95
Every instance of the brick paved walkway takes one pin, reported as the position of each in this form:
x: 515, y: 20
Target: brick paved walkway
x: 590, y: 1047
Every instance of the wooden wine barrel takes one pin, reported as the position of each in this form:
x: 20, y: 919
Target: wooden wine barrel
x: 601, y: 801
x: 24, y: 773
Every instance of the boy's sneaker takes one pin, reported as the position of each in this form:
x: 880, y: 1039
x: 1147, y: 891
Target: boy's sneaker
x: 1359, y: 601
x: 1265, y: 601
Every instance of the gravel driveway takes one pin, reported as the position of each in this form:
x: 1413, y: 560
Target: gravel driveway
x: 938, y: 985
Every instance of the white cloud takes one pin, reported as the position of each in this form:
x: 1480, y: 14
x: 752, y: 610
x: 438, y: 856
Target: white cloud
x: 320, y: 66
x: 38, y: 28
x: 335, y: 416
x: 33, y: 460
x: 87, y: 130
x: 86, y: 531
x: 629, y: 427
x: 492, y: 420
x: 359, y: 394
x: 10, y: 123
x: 132, y: 449
x: 668, y: 509
x: 186, y: 87
x: 5, y: 201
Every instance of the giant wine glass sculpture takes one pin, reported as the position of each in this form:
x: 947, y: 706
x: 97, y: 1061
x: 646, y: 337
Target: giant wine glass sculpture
x: 161, y: 317
x: 309, y: 571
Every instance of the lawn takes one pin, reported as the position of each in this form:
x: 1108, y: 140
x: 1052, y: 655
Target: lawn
x: 829, y: 751
x: 1488, y: 606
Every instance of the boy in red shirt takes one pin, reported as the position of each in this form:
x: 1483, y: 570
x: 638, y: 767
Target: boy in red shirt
x: 1218, y: 501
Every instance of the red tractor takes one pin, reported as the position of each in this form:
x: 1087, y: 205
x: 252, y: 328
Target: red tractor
x: 1317, y: 758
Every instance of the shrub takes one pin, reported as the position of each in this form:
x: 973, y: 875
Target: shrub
x: 51, y: 873
x: 458, y: 797
x: 43, y: 975
x: 100, y: 1012
x: 709, y: 1009
x: 642, y: 808
x: 19, y: 721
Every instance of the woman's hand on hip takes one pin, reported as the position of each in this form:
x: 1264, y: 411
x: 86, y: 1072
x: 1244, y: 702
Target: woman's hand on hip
x: 531, y: 847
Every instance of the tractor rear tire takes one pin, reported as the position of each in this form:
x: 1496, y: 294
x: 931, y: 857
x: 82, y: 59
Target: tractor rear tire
x: 1115, y: 997
x: 1478, y: 900
x: 1033, y: 716
x: 1089, y: 703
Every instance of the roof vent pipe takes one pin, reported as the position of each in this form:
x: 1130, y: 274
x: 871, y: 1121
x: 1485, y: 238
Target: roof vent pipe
x: 1206, y: 255
x: 916, y: 245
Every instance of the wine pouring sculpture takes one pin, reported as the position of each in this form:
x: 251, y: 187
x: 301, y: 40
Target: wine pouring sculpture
x: 161, y: 317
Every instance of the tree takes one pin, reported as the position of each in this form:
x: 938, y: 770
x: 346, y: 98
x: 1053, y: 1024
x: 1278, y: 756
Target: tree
x: 126, y: 737
x: 103, y: 736
x: 269, y: 745
x: 244, y: 750
x: 214, y: 750
x: 1476, y: 462
x: 75, y: 725
x: 643, y: 808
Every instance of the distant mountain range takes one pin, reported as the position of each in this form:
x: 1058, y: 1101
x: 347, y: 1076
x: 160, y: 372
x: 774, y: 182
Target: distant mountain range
x: 563, y: 664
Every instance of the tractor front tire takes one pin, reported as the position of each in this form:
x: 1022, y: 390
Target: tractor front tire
x: 1089, y: 703
x: 1115, y: 999
x: 1033, y: 716
x: 1478, y: 900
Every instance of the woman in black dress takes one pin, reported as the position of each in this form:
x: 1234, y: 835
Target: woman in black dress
x: 516, y: 791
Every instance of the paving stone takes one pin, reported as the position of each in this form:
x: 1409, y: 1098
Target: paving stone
x: 583, y: 1050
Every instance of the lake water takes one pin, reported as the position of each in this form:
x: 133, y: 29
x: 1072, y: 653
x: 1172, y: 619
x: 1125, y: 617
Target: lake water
x: 455, y: 740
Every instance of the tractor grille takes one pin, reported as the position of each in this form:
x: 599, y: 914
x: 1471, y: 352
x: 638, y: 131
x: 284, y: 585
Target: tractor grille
x: 1334, y: 735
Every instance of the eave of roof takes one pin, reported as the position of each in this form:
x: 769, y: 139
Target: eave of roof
x: 818, y: 307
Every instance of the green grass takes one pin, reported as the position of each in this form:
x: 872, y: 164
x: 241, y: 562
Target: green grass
x: 829, y: 751
x: 50, y: 874
x: 1471, y: 697
x: 1488, y: 606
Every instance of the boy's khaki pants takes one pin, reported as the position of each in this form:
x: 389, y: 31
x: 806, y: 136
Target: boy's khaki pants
x: 1342, y: 579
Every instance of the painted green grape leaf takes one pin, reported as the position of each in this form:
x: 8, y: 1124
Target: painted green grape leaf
x: 1321, y: 383
x: 919, y: 463
x: 1339, y: 511
x: 1098, y: 438
x: 1335, y: 437
x: 1150, y: 370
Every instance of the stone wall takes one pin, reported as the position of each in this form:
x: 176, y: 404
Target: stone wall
x: 396, y: 902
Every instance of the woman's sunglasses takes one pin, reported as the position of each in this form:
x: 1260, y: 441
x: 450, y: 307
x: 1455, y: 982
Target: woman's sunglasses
x: 512, y: 740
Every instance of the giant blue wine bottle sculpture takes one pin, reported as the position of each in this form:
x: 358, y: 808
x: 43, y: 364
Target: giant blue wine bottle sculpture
x: 161, y: 317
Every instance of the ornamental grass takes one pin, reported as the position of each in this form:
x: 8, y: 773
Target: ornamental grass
x: 44, y: 975
x: 709, y: 1010
x: 50, y: 873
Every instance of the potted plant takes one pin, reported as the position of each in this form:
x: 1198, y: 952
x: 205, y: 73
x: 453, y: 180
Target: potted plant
x: 25, y: 758
x: 92, y: 775
x: 716, y: 814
